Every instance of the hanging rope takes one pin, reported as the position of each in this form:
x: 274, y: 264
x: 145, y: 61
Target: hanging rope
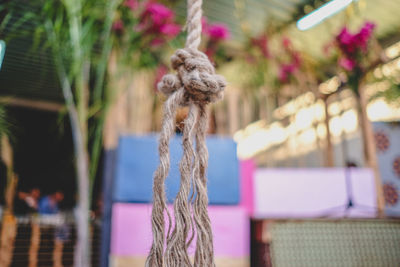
x: 194, y: 85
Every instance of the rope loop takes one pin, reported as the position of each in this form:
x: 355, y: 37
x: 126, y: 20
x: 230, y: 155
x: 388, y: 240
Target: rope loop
x: 196, y: 75
x: 194, y: 84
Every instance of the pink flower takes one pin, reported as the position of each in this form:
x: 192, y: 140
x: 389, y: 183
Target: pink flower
x: 290, y: 68
x: 350, y: 43
x: 210, y: 52
x: 345, y: 37
x: 296, y: 59
x: 262, y: 43
x: 132, y: 4
x: 346, y: 41
x: 347, y: 64
x: 118, y: 26
x: 286, y: 42
x: 368, y: 28
x: 283, y: 76
x: 157, y: 42
x: 364, y: 35
x: 218, y: 32
x: 286, y: 70
x: 158, y: 20
x: 170, y: 30
x: 158, y: 13
x: 204, y: 25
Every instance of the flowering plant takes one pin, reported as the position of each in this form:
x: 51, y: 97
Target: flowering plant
x: 214, y: 35
x: 288, y: 67
x: 255, y: 60
x: 353, y: 51
x: 144, y: 29
x: 260, y: 43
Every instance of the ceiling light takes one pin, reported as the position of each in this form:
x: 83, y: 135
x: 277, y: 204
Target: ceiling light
x: 321, y: 13
x: 2, y: 51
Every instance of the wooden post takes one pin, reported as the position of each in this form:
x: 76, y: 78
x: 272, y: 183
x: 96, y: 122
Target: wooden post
x: 246, y: 111
x: 221, y: 119
x: 370, y: 147
x: 329, y: 160
x: 7, y: 157
x: 7, y: 238
x: 35, y: 242
x: 232, y: 97
x: 58, y: 253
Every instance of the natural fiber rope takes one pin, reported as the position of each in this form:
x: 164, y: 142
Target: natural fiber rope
x: 195, y: 85
x: 204, y: 255
x: 155, y: 257
x: 176, y: 252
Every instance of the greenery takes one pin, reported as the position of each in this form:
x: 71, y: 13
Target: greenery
x: 77, y: 35
x: 4, y: 125
x: 391, y: 95
x: 80, y: 36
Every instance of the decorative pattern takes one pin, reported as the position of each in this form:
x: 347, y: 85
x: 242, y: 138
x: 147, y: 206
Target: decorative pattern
x: 335, y: 243
x: 382, y: 141
x: 396, y: 166
x: 387, y: 138
x: 391, y: 195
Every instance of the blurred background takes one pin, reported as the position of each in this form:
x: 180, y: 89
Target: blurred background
x: 304, y: 165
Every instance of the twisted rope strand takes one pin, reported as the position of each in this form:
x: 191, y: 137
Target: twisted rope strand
x: 194, y: 15
x: 155, y: 258
x: 176, y: 253
x: 194, y: 85
x: 204, y: 254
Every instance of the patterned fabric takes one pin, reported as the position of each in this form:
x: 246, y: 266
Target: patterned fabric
x: 391, y: 194
x: 316, y: 243
x: 382, y: 141
x: 396, y: 166
x: 387, y: 139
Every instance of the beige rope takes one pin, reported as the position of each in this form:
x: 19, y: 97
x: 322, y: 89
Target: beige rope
x: 204, y: 255
x: 155, y: 257
x: 195, y: 85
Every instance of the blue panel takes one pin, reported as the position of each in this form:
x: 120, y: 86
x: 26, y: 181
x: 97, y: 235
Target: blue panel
x: 137, y: 159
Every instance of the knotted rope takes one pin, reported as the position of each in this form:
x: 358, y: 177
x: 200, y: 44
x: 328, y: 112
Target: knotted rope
x: 195, y: 84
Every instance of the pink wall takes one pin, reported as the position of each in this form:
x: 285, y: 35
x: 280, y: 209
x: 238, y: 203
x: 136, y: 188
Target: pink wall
x: 131, y: 230
x: 305, y: 193
x: 247, y: 168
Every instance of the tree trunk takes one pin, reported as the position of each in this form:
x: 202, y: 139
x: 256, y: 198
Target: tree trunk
x: 329, y: 160
x: 369, y: 147
x: 82, y: 249
x: 232, y: 97
x: 11, y: 179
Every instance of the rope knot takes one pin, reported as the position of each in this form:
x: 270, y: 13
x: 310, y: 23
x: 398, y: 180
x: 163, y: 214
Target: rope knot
x: 196, y: 75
